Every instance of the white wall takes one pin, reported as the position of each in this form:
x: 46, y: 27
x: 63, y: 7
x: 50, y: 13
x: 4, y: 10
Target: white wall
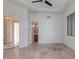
x: 11, y: 9
x: 50, y: 29
x: 5, y: 32
x: 68, y: 40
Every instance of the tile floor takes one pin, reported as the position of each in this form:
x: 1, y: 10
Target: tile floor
x: 41, y: 51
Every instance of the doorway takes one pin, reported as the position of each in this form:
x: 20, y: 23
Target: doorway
x: 11, y: 32
x: 16, y: 33
x: 35, y: 29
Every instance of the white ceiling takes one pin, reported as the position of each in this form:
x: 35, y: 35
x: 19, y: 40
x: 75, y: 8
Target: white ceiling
x: 41, y: 6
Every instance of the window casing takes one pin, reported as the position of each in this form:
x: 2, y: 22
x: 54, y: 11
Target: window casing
x: 71, y: 24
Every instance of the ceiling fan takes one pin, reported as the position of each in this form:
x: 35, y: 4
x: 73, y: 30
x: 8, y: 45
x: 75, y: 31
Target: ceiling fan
x: 45, y: 1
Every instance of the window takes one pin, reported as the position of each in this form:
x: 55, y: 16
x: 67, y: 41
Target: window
x: 71, y: 25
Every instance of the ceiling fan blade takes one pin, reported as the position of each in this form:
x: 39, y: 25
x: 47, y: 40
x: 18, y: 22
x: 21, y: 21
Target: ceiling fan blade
x: 48, y: 3
x: 36, y: 1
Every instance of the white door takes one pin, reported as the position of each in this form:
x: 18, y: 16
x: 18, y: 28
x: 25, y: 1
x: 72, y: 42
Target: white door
x: 16, y: 34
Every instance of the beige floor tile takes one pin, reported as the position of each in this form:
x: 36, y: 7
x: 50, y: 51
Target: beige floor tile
x: 42, y: 51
